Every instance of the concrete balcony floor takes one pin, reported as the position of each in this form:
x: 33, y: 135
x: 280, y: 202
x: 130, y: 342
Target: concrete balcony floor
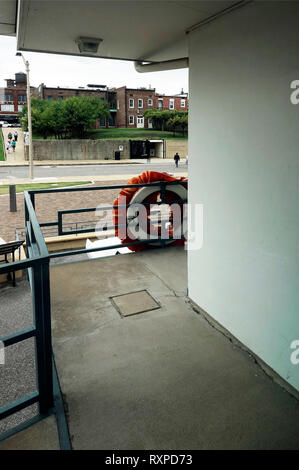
x: 162, y: 379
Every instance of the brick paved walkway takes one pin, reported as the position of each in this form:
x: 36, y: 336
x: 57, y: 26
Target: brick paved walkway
x: 47, y: 206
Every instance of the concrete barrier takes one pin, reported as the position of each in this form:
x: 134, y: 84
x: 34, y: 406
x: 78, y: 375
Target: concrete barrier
x: 78, y: 149
x: 173, y: 146
x: 87, y: 149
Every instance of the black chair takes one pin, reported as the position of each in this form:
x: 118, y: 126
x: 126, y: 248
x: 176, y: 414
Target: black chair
x: 10, y: 248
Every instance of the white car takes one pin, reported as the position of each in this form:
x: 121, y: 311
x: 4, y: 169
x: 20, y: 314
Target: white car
x: 4, y: 124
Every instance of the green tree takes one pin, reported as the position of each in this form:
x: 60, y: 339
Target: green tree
x: 82, y: 112
x: 173, y: 123
x: 68, y: 118
x: 162, y: 119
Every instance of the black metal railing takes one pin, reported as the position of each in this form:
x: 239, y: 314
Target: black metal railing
x: 37, y: 264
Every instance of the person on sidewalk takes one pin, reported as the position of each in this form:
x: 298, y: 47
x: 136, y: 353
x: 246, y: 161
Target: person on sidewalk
x: 9, y: 136
x: 13, y: 144
x: 16, y: 134
x: 176, y: 159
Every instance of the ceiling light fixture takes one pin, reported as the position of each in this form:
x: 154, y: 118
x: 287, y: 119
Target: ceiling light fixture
x: 89, y: 45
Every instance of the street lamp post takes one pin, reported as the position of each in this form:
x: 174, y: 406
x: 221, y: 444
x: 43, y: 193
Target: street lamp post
x: 29, y: 115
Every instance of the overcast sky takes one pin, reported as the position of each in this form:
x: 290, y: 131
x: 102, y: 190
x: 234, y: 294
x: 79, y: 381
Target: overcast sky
x: 69, y: 71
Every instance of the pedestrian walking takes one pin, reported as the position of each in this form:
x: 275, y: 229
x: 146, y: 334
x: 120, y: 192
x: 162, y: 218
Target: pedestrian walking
x: 8, y: 146
x: 187, y: 159
x: 148, y: 151
x: 176, y: 159
x: 16, y: 135
x: 13, y: 144
x: 9, y: 136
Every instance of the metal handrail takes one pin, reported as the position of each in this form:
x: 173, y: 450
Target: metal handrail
x: 37, y: 264
x: 30, y: 216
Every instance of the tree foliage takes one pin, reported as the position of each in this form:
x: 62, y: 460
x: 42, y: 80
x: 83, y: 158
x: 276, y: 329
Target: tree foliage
x: 168, y: 119
x: 177, y: 122
x: 70, y: 118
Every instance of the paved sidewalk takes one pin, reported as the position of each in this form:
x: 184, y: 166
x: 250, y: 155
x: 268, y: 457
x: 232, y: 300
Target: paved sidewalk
x: 16, y: 157
x: 104, y: 178
x: 85, y: 162
x: 47, y: 206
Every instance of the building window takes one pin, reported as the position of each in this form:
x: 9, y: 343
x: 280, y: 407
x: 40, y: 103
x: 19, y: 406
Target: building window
x: 140, y: 103
x: 160, y: 103
x: 131, y: 119
x: 171, y: 104
x: 112, y: 119
x: 60, y: 97
x: 183, y: 103
x: 22, y: 99
x: 150, y: 102
x: 8, y: 97
x: 131, y: 103
x: 102, y: 122
x: 7, y: 107
x: 49, y: 97
x: 117, y: 104
x: 20, y: 107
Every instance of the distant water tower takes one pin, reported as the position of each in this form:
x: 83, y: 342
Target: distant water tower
x: 20, y: 78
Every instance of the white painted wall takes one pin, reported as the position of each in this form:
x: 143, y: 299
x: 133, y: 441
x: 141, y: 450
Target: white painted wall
x: 244, y: 153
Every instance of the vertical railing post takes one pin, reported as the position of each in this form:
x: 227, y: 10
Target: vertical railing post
x: 12, y: 198
x: 32, y: 199
x: 26, y: 229
x: 59, y: 223
x: 42, y: 315
x: 163, y: 200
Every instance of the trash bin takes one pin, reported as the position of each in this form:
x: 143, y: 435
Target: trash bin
x: 117, y: 155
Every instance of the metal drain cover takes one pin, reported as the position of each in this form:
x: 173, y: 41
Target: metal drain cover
x: 135, y: 302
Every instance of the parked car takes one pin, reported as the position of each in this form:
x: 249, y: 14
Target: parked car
x: 9, y: 124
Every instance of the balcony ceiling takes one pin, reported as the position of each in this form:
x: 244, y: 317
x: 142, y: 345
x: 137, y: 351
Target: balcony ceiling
x: 8, y: 15
x: 132, y: 30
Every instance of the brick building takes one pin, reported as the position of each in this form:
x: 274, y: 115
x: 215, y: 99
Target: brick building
x: 13, y: 97
x: 172, y: 102
x: 132, y: 103
x: 100, y: 91
x: 127, y: 105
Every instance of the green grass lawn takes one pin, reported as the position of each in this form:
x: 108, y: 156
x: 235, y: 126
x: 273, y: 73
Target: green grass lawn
x: 1, y: 147
x: 123, y: 133
x: 4, y: 189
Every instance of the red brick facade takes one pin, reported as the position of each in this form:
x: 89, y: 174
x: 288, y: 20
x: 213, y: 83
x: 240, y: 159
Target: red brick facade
x: 176, y: 102
x: 132, y: 105
x: 133, y: 102
x: 127, y: 105
x: 12, y: 98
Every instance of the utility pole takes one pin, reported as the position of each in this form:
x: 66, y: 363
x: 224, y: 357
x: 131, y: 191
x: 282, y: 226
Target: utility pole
x: 29, y: 116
